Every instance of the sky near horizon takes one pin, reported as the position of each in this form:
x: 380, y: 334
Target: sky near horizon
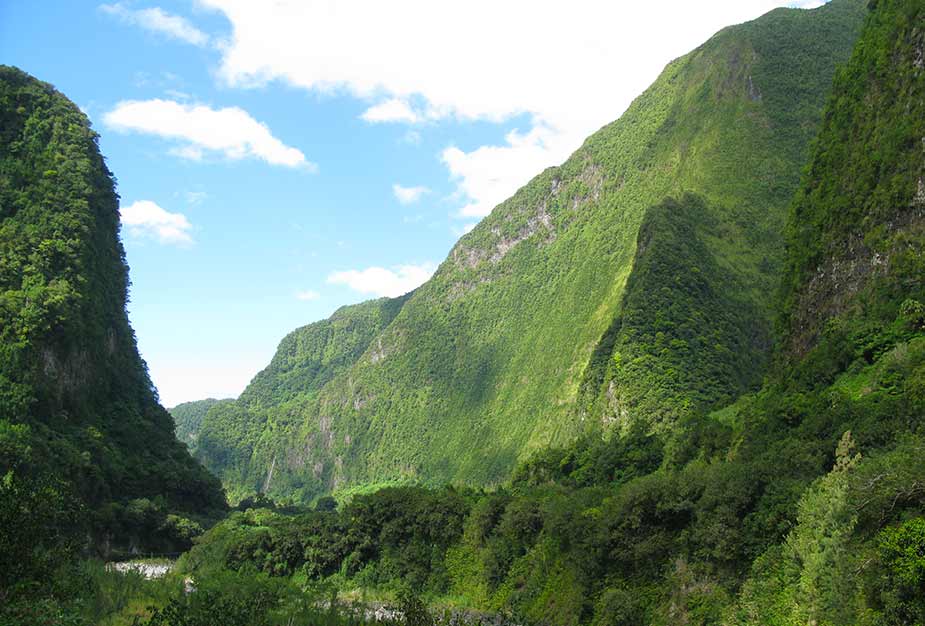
x: 278, y: 160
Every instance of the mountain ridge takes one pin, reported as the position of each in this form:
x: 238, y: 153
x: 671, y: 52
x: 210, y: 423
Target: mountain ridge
x: 492, y: 352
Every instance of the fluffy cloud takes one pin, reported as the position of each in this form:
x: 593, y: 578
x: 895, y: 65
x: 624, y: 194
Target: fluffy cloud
x: 231, y: 131
x: 157, y: 20
x: 408, y: 195
x: 146, y: 219
x: 569, y: 71
x: 307, y: 296
x: 490, y: 174
x: 380, y: 281
x: 393, y: 110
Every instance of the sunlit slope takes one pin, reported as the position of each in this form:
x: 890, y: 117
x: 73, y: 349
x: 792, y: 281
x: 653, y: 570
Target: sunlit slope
x: 511, y: 345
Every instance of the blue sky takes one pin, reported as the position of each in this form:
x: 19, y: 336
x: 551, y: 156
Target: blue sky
x: 279, y: 160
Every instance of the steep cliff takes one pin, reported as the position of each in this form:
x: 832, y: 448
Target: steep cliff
x: 76, y: 402
x: 539, y: 324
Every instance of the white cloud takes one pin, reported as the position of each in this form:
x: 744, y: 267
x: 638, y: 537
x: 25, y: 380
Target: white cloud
x: 307, y: 296
x: 146, y: 219
x: 393, y: 110
x: 569, y: 71
x: 231, y: 131
x: 380, y: 281
x: 195, y: 197
x: 412, y: 137
x: 408, y: 195
x: 157, y: 20
x: 490, y: 174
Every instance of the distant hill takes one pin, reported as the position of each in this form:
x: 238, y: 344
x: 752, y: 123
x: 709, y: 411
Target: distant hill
x: 187, y: 418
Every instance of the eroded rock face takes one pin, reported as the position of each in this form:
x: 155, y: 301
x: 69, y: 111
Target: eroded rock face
x: 846, y: 272
x: 150, y: 570
x: 471, y: 258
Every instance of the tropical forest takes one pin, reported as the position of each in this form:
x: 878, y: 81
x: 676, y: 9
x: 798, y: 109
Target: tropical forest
x: 677, y: 378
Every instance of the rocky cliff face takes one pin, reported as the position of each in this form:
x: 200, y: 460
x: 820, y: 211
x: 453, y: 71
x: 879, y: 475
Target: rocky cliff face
x: 857, y: 223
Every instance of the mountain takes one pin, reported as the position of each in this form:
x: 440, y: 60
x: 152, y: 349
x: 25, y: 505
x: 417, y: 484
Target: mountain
x: 802, y: 502
x: 634, y: 283
x: 187, y: 419
x: 79, y: 417
x: 226, y: 432
x: 853, y: 237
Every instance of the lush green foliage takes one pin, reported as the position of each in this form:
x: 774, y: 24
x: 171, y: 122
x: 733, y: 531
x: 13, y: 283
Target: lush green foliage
x: 403, y: 531
x: 187, y: 418
x: 88, y: 593
x: 802, y: 503
x: 636, y: 530
x: 88, y: 458
x: 508, y: 348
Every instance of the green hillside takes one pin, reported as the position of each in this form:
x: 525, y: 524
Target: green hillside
x: 187, y: 418
x: 801, y: 503
x: 86, y: 451
x: 509, y: 347
x: 306, y: 360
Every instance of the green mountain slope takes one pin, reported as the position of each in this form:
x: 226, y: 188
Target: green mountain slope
x: 187, y: 419
x: 76, y: 405
x: 306, y: 359
x: 537, y: 326
x: 853, y: 235
x: 802, y: 503
x: 853, y: 355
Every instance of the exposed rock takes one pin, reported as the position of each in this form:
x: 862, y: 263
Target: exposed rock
x: 844, y: 273
x: 378, y: 353
x: 918, y: 49
x: 506, y: 244
x: 753, y: 93
x: 147, y: 569
x: 269, y: 479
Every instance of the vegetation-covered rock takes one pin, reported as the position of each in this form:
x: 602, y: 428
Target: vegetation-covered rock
x: 80, y: 424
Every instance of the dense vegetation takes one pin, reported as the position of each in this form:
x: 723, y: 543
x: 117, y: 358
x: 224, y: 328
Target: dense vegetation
x: 802, y: 503
x: 228, y: 433
x: 509, y: 347
x: 799, y: 502
x: 685, y: 338
x: 88, y: 458
x: 188, y: 418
